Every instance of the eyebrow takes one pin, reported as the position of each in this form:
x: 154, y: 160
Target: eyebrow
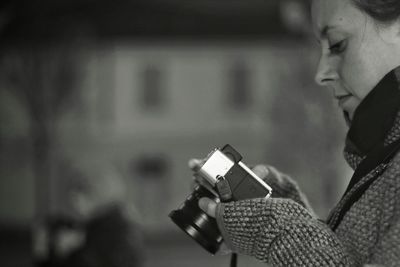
x: 324, y: 32
x: 326, y: 29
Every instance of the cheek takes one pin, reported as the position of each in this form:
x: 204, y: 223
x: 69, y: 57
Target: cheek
x: 356, y: 73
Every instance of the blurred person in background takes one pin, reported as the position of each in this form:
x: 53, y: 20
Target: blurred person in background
x: 359, y: 63
x: 106, y: 233
x: 55, y: 239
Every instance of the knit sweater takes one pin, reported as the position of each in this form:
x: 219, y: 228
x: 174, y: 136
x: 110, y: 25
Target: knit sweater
x: 283, y: 232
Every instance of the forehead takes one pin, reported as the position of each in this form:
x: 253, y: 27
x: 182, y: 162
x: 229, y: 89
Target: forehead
x: 341, y: 14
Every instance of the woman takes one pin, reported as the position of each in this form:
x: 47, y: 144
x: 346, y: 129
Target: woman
x: 360, y: 59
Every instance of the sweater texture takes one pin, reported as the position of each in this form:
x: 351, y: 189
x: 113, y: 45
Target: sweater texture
x: 282, y: 231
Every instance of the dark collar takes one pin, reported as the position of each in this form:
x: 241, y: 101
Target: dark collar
x: 374, y: 117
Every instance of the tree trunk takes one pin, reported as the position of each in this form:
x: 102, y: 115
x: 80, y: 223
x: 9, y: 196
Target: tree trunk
x: 42, y: 172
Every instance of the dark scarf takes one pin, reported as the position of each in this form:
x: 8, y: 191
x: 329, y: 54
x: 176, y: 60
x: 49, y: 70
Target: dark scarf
x: 376, y: 121
x: 371, y: 141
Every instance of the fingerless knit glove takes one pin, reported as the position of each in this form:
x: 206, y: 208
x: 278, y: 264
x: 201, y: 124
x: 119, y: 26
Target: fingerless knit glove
x: 279, y: 232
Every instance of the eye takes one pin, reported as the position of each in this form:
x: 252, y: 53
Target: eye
x: 338, y: 47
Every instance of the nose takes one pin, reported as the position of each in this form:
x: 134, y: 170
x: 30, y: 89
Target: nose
x: 326, y: 72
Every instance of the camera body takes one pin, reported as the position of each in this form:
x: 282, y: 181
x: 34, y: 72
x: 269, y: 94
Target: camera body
x: 222, y: 177
x: 230, y: 177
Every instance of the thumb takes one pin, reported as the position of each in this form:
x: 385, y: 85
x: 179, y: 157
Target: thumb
x: 208, y: 206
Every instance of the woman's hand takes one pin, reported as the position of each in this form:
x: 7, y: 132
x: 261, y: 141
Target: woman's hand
x: 283, y: 186
x: 209, y: 206
x: 195, y: 164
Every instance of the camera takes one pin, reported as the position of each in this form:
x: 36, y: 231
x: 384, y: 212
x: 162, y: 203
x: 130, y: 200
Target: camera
x: 222, y: 177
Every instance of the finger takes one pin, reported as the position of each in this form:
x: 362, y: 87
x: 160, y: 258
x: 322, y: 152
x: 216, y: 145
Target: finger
x: 208, y: 206
x: 261, y: 171
x: 195, y: 164
x: 277, y: 176
x: 224, y: 250
x: 199, y: 180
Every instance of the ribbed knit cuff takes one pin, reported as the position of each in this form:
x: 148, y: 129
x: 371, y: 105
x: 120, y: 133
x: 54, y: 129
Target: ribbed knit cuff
x: 241, y: 223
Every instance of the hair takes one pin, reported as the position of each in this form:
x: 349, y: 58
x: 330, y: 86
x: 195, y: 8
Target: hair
x: 383, y: 11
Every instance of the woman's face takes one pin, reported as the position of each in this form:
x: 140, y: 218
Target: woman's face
x: 356, y: 51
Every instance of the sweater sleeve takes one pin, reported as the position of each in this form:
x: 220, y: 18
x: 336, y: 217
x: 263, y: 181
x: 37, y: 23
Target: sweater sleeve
x: 280, y: 232
x: 386, y: 252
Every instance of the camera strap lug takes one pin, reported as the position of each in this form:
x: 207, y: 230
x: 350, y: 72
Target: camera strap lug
x: 224, y: 189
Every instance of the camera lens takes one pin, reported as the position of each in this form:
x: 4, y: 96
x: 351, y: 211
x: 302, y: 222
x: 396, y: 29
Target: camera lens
x: 196, y: 223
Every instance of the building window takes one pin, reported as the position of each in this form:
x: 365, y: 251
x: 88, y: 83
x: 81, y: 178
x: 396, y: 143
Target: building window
x: 239, y: 90
x: 105, y: 93
x: 153, y: 96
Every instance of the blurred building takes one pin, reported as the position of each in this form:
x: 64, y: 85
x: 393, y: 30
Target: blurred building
x: 155, y: 84
x: 152, y: 107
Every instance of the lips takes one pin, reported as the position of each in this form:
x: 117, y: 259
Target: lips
x: 342, y: 99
